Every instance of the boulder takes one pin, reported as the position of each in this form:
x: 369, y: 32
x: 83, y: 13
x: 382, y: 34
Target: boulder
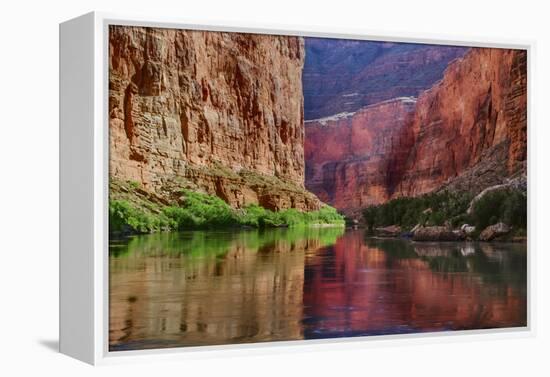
x: 494, y: 231
x: 437, y: 233
x: 467, y: 229
x: 389, y: 231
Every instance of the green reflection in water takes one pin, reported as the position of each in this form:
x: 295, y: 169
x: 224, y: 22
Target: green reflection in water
x: 197, y: 244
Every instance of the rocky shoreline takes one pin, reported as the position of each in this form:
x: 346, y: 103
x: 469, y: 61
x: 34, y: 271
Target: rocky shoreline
x: 499, y: 232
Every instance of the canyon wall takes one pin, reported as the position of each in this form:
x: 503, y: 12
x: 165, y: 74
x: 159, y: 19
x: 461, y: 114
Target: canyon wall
x: 348, y: 160
x: 218, y: 112
x: 470, y: 129
x: 467, y: 132
x: 345, y: 75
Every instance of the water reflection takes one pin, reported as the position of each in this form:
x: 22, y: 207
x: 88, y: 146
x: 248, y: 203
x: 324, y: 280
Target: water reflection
x: 370, y: 287
x: 202, y: 288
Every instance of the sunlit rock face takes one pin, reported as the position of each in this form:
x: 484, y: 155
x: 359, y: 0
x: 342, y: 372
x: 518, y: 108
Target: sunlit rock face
x: 467, y: 132
x: 220, y: 112
x: 475, y: 118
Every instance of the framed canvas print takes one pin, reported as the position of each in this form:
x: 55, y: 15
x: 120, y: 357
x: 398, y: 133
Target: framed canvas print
x: 224, y: 187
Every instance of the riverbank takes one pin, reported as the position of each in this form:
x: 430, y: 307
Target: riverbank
x: 509, y: 238
x: 497, y: 214
x: 133, y: 210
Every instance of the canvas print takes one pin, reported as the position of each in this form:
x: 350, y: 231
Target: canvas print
x: 276, y: 188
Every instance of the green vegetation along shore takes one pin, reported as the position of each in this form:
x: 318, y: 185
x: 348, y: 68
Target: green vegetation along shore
x: 452, y: 210
x: 203, y: 211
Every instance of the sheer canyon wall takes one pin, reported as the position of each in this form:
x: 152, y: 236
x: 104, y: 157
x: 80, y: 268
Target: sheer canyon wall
x: 219, y: 112
x: 352, y: 158
x: 224, y: 113
x: 467, y: 132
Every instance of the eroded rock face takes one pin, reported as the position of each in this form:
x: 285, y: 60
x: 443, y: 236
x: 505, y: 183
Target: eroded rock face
x: 476, y: 116
x: 468, y: 132
x: 355, y: 160
x: 220, y: 112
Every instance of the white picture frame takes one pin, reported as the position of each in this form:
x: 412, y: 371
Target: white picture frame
x: 84, y: 159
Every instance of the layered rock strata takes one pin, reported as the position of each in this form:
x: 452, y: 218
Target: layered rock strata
x: 218, y: 112
x: 355, y: 160
x: 472, y: 124
x: 466, y: 133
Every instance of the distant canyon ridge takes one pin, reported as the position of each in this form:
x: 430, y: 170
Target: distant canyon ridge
x: 291, y: 122
x: 461, y: 126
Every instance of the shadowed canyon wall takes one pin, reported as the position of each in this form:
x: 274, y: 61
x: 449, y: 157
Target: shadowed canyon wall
x: 219, y: 112
x: 344, y: 75
x: 467, y: 132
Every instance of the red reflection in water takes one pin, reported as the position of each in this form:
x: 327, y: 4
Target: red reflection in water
x: 356, y: 289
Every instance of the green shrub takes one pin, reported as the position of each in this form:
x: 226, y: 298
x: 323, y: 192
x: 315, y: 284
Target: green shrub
x: 125, y: 218
x: 507, y: 206
x: 182, y: 217
x: 370, y: 214
x: 429, y: 209
x: 134, y: 184
x: 202, y: 211
x: 253, y: 215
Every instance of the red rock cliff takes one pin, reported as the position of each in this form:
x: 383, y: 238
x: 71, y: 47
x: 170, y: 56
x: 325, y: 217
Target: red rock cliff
x: 220, y: 112
x: 354, y: 159
x: 468, y: 132
x: 470, y: 129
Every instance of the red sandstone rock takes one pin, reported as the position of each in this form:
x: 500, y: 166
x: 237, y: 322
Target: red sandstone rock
x: 353, y: 161
x: 478, y: 107
x: 467, y: 132
x: 206, y: 109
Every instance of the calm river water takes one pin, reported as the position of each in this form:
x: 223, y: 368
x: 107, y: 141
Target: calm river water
x: 226, y: 287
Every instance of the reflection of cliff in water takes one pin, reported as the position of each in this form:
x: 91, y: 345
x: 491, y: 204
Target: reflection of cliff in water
x: 369, y: 287
x: 201, y: 288
x: 210, y: 287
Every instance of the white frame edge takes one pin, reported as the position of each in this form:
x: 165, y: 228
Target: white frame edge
x: 84, y: 169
